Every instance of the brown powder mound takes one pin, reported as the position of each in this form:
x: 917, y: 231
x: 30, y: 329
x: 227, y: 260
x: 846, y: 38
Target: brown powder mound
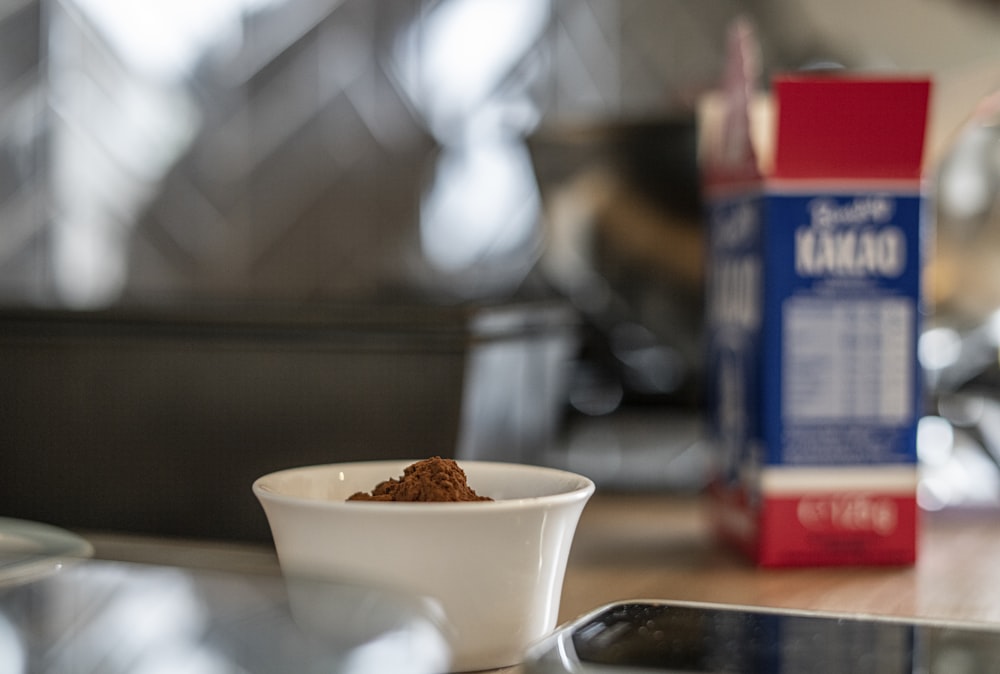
x: 433, y: 479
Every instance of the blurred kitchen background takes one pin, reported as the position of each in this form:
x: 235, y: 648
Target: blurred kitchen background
x: 239, y: 235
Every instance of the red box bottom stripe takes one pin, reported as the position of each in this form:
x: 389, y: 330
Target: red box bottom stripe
x: 838, y: 528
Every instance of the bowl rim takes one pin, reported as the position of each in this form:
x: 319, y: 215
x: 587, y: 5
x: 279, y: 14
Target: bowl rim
x: 582, y: 492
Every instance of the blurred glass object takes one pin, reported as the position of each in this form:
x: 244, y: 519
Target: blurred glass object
x: 479, y: 215
x: 623, y: 216
x: 515, y: 390
x: 12, y: 652
x: 655, y: 448
x: 958, y: 441
x: 965, y: 271
x: 117, y: 123
x: 96, y: 616
x: 955, y: 472
x: 165, y: 39
x: 462, y: 81
x: 960, y: 349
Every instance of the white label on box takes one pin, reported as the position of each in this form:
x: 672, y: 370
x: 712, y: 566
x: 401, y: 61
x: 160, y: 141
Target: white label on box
x: 897, y: 479
x: 848, y: 359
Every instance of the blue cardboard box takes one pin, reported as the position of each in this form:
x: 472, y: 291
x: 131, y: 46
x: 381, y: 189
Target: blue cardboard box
x: 814, y: 309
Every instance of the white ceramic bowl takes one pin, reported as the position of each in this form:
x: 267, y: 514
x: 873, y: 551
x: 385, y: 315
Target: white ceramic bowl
x: 495, y: 568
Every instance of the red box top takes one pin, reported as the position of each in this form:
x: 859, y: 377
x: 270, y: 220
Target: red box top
x: 832, y: 126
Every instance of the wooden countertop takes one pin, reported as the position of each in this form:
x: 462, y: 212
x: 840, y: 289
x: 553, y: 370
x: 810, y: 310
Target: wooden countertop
x: 634, y: 546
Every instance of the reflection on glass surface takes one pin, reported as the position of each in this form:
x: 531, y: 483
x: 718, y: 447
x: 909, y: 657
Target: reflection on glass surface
x: 121, y: 618
x: 165, y: 39
x: 12, y: 655
x: 665, y: 637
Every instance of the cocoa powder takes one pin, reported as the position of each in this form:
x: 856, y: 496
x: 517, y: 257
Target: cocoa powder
x: 433, y: 479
